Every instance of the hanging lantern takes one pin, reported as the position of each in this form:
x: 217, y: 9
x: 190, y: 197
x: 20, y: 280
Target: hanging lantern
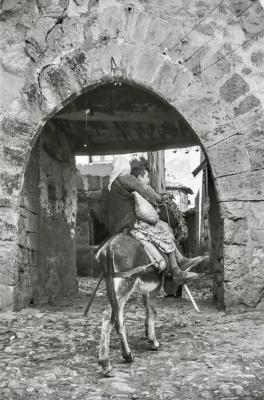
x: 116, y: 72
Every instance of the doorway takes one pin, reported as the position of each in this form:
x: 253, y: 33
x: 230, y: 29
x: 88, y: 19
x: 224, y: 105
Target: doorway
x: 110, y: 119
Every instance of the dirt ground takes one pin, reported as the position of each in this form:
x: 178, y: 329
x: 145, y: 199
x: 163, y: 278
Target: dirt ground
x: 51, y: 353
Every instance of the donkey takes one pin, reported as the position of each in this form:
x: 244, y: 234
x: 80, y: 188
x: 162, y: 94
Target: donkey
x: 126, y: 268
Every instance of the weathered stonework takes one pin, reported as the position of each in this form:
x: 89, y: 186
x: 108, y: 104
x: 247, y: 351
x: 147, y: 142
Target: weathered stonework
x: 46, y: 267
x: 53, y: 50
x: 89, y: 229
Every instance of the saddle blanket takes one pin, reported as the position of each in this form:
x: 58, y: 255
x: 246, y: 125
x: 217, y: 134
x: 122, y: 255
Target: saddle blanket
x: 153, y: 254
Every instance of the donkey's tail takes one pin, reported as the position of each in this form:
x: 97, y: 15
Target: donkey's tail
x: 110, y: 287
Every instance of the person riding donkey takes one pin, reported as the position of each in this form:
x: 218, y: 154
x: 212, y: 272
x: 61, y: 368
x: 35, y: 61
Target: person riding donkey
x: 117, y: 206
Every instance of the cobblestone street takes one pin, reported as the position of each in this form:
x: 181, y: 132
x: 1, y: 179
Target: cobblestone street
x: 51, y: 353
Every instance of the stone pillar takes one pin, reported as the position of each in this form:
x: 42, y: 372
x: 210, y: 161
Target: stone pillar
x: 57, y: 219
x: 28, y: 234
x: 46, y: 266
x: 11, y: 161
x: 216, y: 250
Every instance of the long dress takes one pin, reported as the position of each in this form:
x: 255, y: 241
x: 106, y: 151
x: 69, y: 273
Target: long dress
x: 119, y: 213
x: 160, y: 235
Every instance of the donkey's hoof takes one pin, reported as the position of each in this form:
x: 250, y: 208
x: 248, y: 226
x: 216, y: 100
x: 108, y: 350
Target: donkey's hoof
x: 129, y: 358
x: 108, y: 374
x: 106, y: 367
x: 153, y: 346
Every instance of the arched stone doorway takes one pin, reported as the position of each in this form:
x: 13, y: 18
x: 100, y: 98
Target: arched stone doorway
x: 113, y: 118
x: 205, y: 62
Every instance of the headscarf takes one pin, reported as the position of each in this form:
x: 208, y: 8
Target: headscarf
x: 121, y: 166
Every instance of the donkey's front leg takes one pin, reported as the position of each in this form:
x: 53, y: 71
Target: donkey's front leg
x: 107, y: 325
x: 151, y: 313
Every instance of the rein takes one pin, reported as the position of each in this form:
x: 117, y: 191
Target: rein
x: 168, y: 216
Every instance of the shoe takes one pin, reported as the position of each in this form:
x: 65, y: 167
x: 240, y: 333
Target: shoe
x: 183, y: 276
x: 187, y: 264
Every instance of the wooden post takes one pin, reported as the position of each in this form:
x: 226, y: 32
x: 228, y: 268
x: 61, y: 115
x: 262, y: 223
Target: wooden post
x: 157, y: 170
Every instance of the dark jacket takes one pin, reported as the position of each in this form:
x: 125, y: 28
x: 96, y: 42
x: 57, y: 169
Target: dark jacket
x: 117, y: 208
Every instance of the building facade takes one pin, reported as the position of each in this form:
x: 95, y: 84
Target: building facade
x: 191, y: 74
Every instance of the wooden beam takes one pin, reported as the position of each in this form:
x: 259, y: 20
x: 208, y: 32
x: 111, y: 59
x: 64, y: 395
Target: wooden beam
x: 122, y: 147
x: 118, y: 116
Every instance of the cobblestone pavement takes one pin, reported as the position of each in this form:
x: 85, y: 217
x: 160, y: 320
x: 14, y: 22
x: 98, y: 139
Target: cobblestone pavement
x: 51, y: 353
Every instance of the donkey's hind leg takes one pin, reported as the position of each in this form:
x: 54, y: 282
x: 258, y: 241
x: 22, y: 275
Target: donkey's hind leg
x: 107, y: 325
x: 123, y: 290
x: 151, y: 313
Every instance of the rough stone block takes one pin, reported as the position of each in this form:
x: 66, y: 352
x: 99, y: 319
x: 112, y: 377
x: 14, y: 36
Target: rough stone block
x: 229, y: 157
x: 252, y: 284
x: 57, y: 85
x: 219, y: 130
x: 36, y: 37
x: 255, y: 136
x: 137, y: 26
x: 236, y: 231
x: 256, y: 154
x: 79, y: 65
x: 6, y: 297
x: 257, y: 236
x: 7, y: 263
x: 7, y: 231
x: 53, y: 8
x: 257, y: 58
x: 11, y: 84
x: 236, y: 262
x: 203, y: 113
x: 233, y: 88
x: 111, y: 22
x: 246, y: 105
x: 8, y: 223
x: 234, y: 209
x: 14, y: 155
x: 172, y: 80
x: 248, y: 124
x: 157, y: 32
x: 10, y: 182
x: 244, y: 186
x: 253, y: 24
x: 61, y: 37
x: 140, y: 66
x: 252, y: 212
x: 244, y: 279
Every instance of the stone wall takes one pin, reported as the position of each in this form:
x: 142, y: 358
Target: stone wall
x: 28, y: 234
x: 46, y: 233
x: 211, y: 72
x: 89, y: 231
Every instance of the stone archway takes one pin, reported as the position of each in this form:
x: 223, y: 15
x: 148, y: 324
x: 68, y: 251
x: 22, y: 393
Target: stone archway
x: 121, y: 119
x: 218, y: 80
